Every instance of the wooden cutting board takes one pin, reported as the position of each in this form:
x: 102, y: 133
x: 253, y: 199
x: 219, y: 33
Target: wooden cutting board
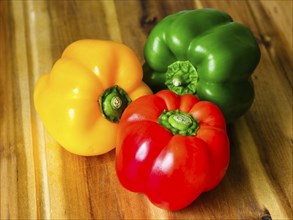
x: 39, y: 179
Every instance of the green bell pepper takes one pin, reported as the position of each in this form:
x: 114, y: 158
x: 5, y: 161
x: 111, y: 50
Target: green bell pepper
x: 203, y: 52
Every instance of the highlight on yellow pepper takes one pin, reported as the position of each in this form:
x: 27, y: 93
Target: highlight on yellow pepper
x: 81, y: 100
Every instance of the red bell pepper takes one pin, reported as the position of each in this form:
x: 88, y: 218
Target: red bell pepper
x: 171, y: 148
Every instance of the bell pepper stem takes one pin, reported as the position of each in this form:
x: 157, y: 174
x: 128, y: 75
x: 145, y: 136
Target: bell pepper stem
x: 113, y: 102
x: 182, y: 78
x: 178, y: 122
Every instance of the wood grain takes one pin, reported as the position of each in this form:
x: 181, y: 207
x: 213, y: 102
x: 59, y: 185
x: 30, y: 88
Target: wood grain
x: 39, y: 179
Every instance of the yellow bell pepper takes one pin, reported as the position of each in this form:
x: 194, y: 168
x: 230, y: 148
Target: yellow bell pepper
x: 81, y: 100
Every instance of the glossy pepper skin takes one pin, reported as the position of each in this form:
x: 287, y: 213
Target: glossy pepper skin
x: 171, y: 148
x: 81, y: 100
x: 203, y: 52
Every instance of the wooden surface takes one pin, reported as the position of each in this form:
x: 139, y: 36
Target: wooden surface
x: 39, y: 179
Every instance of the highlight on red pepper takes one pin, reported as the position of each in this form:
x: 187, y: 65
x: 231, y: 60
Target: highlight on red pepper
x: 171, y: 148
x: 81, y: 100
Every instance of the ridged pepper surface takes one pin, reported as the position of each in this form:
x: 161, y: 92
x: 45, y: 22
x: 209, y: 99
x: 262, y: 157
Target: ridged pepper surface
x: 171, y: 148
x: 203, y: 52
x: 81, y: 100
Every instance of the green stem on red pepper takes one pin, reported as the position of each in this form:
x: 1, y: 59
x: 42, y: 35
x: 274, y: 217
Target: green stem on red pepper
x: 179, y: 122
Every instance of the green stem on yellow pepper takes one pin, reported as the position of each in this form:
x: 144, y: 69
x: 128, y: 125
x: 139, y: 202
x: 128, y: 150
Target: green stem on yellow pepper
x: 113, y: 102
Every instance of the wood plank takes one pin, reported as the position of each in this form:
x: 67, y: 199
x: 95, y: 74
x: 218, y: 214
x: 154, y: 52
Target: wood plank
x: 18, y: 195
x: 274, y: 122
